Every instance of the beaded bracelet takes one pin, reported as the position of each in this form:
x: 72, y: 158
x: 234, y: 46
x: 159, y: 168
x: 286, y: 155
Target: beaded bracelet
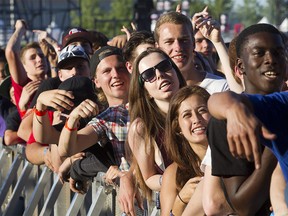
x: 68, y: 128
x: 181, y: 199
x: 39, y: 112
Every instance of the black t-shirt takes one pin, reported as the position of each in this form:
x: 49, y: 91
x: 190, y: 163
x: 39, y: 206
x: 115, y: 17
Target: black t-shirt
x: 46, y: 85
x: 223, y: 163
x: 13, y: 120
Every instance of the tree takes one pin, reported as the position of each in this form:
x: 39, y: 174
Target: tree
x: 104, y: 16
x: 276, y: 11
x: 249, y: 13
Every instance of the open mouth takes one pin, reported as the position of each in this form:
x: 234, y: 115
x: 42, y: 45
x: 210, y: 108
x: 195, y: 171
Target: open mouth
x: 199, y: 130
x: 164, y: 84
x: 117, y: 84
x: 271, y: 74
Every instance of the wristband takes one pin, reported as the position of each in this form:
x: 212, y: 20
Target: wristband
x: 68, y: 128
x: 181, y: 199
x: 40, y: 112
x: 22, y: 113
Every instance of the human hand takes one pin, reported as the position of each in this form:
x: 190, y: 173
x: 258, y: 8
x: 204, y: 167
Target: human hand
x: 112, y: 173
x: 28, y: 90
x: 189, y: 188
x: 243, y: 133
x: 84, y: 186
x: 178, y: 8
x: 48, y: 159
x: 86, y: 109
x: 66, y: 165
x: 21, y: 25
x: 209, y: 28
x: 118, y: 41
x: 203, y: 14
x: 44, y: 37
x: 127, y: 193
x: 129, y: 32
x: 58, y: 99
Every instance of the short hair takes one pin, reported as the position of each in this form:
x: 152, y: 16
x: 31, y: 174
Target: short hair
x: 233, y: 58
x: 137, y: 38
x: 174, y: 18
x: 253, y: 29
x: 32, y: 45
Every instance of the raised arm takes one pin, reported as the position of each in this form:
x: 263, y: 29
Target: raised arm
x: 210, y: 29
x: 12, y: 53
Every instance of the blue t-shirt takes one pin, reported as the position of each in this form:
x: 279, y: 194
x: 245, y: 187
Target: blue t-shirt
x: 272, y: 111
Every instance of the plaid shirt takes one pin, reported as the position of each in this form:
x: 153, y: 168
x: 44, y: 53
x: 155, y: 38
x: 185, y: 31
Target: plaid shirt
x: 112, y: 126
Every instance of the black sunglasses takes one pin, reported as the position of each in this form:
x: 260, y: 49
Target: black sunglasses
x: 149, y: 75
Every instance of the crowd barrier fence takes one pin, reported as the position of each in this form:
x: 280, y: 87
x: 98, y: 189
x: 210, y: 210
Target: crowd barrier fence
x: 31, y: 190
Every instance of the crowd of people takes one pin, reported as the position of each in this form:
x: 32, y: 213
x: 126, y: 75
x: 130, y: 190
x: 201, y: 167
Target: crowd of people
x: 176, y: 112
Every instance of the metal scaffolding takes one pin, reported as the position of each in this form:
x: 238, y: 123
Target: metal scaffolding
x: 39, y: 14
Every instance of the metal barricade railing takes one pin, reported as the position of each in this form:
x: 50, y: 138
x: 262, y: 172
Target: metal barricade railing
x: 41, y: 199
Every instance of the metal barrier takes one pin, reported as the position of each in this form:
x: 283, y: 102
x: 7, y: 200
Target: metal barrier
x: 27, y: 189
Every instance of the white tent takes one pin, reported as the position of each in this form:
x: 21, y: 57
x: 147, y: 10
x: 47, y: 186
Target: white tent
x: 284, y: 25
x: 264, y: 20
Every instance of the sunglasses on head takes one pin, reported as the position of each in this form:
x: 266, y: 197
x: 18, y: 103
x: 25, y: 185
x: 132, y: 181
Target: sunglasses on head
x: 73, y: 52
x: 149, y: 75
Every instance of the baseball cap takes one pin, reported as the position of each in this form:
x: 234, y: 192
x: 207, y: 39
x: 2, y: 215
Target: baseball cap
x: 69, y: 52
x: 74, y: 34
x: 81, y: 88
x: 102, y: 53
x: 5, y: 88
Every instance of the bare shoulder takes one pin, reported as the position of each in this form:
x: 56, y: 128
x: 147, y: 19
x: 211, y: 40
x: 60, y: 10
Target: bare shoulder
x: 136, y: 134
x: 137, y: 128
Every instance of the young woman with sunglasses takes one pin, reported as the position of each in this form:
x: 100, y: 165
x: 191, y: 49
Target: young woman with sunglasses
x: 155, y: 79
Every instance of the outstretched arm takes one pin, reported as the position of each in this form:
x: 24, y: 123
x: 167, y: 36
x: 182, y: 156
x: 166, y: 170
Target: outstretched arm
x: 243, y: 128
x: 210, y: 29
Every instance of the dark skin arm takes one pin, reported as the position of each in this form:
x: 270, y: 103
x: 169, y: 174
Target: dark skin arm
x: 243, y: 128
x: 248, y: 194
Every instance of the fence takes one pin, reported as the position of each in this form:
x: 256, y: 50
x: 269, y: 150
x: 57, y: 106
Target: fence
x: 27, y: 189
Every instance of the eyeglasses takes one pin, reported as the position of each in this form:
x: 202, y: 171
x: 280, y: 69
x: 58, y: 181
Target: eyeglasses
x: 149, y: 75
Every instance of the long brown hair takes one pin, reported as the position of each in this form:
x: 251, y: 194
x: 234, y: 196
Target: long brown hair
x: 176, y: 144
x: 143, y: 107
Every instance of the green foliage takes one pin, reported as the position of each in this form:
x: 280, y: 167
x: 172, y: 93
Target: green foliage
x: 276, y: 11
x: 108, y: 16
x: 250, y: 12
x: 108, y: 19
